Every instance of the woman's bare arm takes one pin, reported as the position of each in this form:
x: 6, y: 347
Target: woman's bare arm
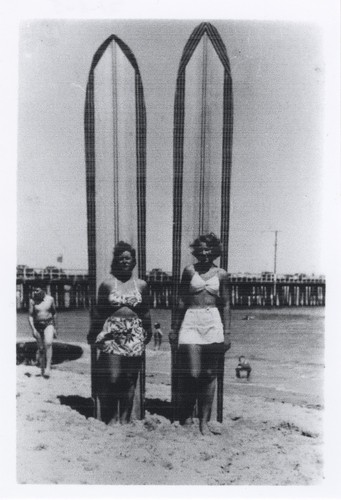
x: 35, y: 332
x: 100, y: 313
x: 145, y: 312
x: 31, y: 316
x: 225, y: 309
x: 182, y: 306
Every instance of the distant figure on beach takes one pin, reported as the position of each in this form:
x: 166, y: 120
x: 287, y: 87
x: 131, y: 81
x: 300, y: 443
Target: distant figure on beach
x: 157, y: 336
x: 243, y: 366
x: 120, y: 330
x: 248, y: 317
x: 42, y: 317
x: 201, y: 330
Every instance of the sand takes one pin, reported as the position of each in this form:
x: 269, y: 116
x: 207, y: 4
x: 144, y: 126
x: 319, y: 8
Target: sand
x: 263, y: 441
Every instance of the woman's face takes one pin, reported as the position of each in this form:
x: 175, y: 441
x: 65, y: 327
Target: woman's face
x: 38, y: 295
x: 125, y: 261
x: 204, y: 254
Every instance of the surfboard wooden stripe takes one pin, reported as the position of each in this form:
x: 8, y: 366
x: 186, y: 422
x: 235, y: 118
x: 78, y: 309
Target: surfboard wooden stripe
x: 225, y: 186
x: 116, y: 221
x: 178, y: 160
x: 179, y: 121
x: 90, y: 155
x: 178, y: 148
x: 227, y: 161
x: 89, y: 123
x: 141, y: 127
x: 179, y: 138
x: 203, y: 138
x: 227, y: 141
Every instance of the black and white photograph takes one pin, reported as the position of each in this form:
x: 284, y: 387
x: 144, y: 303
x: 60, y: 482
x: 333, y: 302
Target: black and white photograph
x: 172, y: 277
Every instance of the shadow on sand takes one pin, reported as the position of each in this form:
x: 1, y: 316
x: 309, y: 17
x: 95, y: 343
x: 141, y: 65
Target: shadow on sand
x: 27, y: 352
x: 85, y: 406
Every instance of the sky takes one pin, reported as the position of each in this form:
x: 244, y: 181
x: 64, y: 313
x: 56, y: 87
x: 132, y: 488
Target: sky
x: 278, y: 72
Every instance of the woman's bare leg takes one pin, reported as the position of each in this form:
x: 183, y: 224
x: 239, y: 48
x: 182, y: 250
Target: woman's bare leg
x: 190, y: 368
x: 108, y: 376
x: 126, y: 405
x: 48, y: 340
x: 132, y: 369
x: 207, y: 384
x: 108, y: 404
x: 40, y: 356
x: 205, y: 401
x: 42, y: 360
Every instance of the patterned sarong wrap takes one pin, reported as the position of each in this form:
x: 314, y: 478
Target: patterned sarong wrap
x: 122, y: 336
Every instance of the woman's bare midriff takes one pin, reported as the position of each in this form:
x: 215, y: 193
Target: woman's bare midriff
x: 124, y: 312
x: 42, y: 316
x: 201, y: 300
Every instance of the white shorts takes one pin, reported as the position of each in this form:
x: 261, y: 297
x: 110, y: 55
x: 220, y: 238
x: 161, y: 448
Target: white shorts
x: 201, y: 326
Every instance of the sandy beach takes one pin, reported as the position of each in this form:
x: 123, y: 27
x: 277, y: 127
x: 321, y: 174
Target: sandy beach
x: 264, y: 440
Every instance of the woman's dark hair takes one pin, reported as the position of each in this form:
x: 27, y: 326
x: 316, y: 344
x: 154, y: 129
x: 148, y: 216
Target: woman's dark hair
x: 212, y: 242
x: 121, y: 247
x: 38, y: 293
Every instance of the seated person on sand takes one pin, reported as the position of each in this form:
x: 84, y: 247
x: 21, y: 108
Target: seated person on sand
x: 157, y: 336
x: 42, y: 315
x: 243, y: 366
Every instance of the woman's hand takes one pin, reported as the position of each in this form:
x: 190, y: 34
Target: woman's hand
x: 36, y: 334
x: 227, y: 342
x: 91, y: 337
x: 148, y: 338
x: 39, y: 340
x: 101, y: 336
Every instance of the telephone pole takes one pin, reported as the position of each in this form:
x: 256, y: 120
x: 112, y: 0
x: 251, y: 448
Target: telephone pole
x: 275, y: 261
x: 275, y: 256
x: 276, y: 231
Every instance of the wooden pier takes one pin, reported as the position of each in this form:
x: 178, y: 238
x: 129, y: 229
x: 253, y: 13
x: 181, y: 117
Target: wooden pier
x: 284, y: 291
x: 70, y: 289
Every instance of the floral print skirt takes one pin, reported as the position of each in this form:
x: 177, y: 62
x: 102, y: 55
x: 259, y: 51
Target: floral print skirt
x: 122, y: 336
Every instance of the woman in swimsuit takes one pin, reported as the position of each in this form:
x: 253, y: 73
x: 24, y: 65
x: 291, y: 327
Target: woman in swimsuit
x: 157, y: 336
x: 201, y: 330
x: 121, y: 328
x: 42, y: 317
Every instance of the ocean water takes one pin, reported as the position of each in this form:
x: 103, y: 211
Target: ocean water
x: 286, y: 351
x: 284, y: 346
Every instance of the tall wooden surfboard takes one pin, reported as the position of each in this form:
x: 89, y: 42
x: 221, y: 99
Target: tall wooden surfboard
x: 203, y: 120
x: 115, y: 147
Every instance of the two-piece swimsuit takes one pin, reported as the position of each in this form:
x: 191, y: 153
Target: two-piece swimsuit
x: 122, y: 336
x: 41, y: 324
x: 202, y: 325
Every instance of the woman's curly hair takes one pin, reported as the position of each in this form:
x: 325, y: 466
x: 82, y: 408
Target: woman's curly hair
x: 121, y: 247
x: 212, y: 242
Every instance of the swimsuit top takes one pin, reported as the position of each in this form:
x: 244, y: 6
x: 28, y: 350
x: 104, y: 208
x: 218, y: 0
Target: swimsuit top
x: 198, y: 284
x: 131, y: 299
